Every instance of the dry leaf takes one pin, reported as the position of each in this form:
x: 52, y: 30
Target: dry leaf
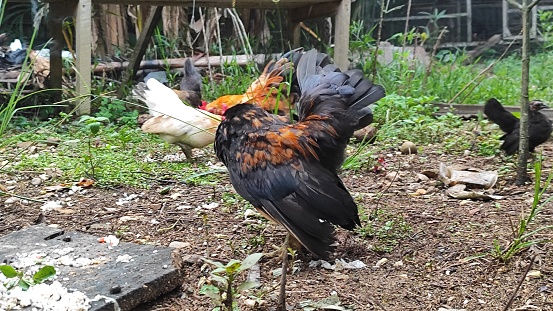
x: 85, y: 183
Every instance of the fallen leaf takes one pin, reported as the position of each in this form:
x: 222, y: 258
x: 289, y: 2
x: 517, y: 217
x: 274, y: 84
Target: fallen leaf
x: 85, y: 183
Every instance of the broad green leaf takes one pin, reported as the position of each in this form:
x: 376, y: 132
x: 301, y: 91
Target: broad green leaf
x: 211, y: 292
x: 249, y: 261
x: 84, y: 118
x: 8, y: 271
x: 233, y: 266
x: 94, y: 127
x: 220, y: 270
x: 43, y: 274
x: 24, y: 284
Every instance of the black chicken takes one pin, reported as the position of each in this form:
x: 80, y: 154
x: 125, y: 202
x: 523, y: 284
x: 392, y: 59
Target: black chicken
x: 539, y: 127
x: 289, y: 171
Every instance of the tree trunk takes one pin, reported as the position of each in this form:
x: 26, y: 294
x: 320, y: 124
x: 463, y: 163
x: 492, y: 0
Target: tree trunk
x: 523, y: 153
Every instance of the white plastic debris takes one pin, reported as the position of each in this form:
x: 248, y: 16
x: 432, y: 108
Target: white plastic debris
x: 340, y: 264
x: 124, y: 258
x: 111, y: 240
x: 51, y: 205
x: 126, y: 199
x: 210, y: 205
x: 16, y: 45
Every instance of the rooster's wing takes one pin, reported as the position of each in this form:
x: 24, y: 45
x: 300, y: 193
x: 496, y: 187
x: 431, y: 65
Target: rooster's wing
x: 274, y: 167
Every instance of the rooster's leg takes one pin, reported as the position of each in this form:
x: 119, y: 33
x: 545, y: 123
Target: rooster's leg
x: 187, y: 151
x: 281, y: 251
x: 282, y: 293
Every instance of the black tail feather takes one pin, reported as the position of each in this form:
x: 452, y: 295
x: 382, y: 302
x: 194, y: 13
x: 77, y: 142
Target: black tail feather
x: 495, y: 112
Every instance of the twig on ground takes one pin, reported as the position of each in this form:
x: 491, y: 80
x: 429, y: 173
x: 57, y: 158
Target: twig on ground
x: 520, y: 283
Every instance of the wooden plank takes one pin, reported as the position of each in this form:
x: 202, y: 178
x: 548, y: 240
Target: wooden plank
x: 173, y: 63
x: 341, y: 35
x: 83, y: 46
x: 313, y: 11
x: 239, y: 4
x: 140, y: 48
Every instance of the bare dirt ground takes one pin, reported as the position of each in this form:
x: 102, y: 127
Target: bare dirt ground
x: 440, y: 262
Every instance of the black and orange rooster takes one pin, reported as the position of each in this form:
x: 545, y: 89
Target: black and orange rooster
x: 289, y: 171
x: 267, y: 91
x: 539, y: 126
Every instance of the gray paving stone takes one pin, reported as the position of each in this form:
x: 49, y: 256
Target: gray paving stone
x: 149, y: 274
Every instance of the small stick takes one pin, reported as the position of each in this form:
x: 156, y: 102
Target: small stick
x: 520, y: 283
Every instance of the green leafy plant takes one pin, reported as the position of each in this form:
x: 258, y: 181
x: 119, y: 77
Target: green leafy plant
x: 524, y: 237
x: 222, y: 289
x: 17, y: 278
x: 115, y: 109
x: 93, y: 125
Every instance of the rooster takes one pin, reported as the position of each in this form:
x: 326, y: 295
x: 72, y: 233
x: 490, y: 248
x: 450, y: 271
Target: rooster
x: 267, y: 91
x: 289, y: 171
x: 174, y: 121
x: 539, y: 127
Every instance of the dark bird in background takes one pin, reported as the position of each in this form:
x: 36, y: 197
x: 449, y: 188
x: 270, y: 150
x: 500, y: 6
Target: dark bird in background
x: 539, y: 127
x: 289, y: 171
x: 191, y: 85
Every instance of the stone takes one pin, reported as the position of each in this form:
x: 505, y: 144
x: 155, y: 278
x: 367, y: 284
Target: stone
x: 132, y: 283
x: 408, y: 148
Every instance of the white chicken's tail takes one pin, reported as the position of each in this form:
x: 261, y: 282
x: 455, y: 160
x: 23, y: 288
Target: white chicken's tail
x: 160, y: 99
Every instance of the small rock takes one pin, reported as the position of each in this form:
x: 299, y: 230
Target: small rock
x: 392, y: 176
x: 36, y: 181
x: 165, y: 190
x: 178, y: 244
x: 534, y: 274
x: 250, y: 302
x: 365, y: 134
x: 175, y: 195
x: 115, y: 289
x: 11, y: 200
x: 52, y: 141
x: 408, y: 148
x: 419, y: 192
x: 422, y: 177
x: 466, y: 153
x: 25, y: 144
x: 381, y: 262
x: 72, y: 142
x: 398, y: 264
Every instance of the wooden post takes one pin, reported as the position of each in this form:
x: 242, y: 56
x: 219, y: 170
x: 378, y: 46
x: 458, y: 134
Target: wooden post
x: 469, y: 20
x: 55, y: 24
x: 83, y: 45
x: 295, y: 30
x: 341, y: 35
x: 140, y: 48
x: 505, y: 16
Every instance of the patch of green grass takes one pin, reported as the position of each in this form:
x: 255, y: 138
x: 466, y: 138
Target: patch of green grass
x: 118, y: 153
x: 385, y: 228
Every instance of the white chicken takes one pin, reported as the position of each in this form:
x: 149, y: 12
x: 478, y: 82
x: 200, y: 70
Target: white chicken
x: 174, y: 121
